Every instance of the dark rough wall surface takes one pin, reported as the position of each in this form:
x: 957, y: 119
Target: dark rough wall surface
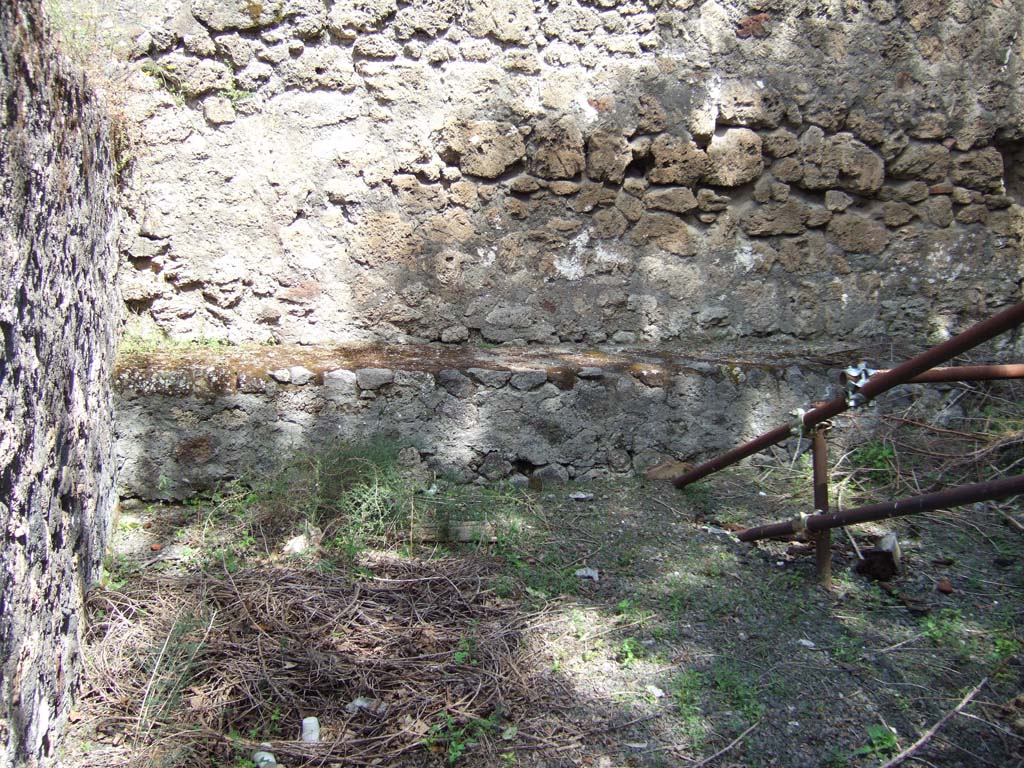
x: 57, y: 282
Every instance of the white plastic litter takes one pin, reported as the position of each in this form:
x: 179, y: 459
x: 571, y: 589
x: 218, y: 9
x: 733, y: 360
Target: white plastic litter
x: 310, y: 729
x: 263, y: 758
x: 365, y: 704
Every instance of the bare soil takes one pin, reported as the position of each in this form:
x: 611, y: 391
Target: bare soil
x: 614, y: 624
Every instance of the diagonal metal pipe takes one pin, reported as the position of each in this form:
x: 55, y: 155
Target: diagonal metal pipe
x: 882, y: 382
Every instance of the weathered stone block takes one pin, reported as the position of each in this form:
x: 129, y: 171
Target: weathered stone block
x: 218, y: 110
x: 780, y: 143
x: 677, y: 161
x: 220, y: 15
x: 666, y: 231
x: 431, y: 17
x: 674, y: 199
x: 982, y: 170
x: 937, y: 211
x: 307, y: 17
x: 608, y: 154
x: 609, y: 224
x: 556, y: 149
x: 483, y: 148
x: 490, y: 378
x: 349, y: 17
x: 341, y: 383
x: 839, y: 161
x: 734, y: 158
x: 374, y: 378
x: 511, y: 21
x: 927, y: 162
x: 376, y: 47
x: 527, y: 380
x: 837, y: 201
x: 896, y: 214
x: 857, y: 234
x: 455, y: 383
x: 789, y: 218
x: 749, y: 104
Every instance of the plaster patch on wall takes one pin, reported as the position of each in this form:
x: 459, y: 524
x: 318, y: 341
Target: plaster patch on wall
x: 746, y: 258
x: 571, y: 266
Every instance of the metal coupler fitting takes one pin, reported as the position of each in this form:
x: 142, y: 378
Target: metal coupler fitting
x: 855, y: 377
x: 800, y: 523
x: 798, y: 421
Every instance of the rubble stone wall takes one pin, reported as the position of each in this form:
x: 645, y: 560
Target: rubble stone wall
x: 189, y: 422
x: 57, y: 327
x: 631, y: 171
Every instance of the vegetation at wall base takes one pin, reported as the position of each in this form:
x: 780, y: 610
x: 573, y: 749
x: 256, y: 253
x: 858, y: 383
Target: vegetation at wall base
x: 496, y: 651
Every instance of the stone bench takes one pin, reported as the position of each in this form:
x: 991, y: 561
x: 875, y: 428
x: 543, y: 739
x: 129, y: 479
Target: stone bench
x: 189, y: 420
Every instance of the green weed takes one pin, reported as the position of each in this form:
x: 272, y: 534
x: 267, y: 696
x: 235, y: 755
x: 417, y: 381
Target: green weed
x: 630, y: 651
x: 730, y: 681
x: 847, y: 650
x: 454, y: 738
x: 945, y: 628
x: 466, y: 652
x: 875, y: 463
x: 143, y: 344
x: 881, y: 743
x: 236, y: 95
x: 686, y: 691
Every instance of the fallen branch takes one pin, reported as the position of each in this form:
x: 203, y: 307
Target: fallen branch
x: 934, y: 729
x: 726, y: 748
x: 706, y: 760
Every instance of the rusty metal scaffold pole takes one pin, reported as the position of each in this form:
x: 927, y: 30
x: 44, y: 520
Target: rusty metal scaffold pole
x: 823, y: 539
x: 953, y: 497
x: 964, y: 373
x: 883, y: 381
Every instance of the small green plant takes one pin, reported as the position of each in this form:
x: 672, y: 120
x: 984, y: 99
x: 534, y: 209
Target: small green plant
x: 946, y: 629
x: 466, y: 652
x: 686, y: 692
x: 731, y: 682
x: 630, y: 651
x: 875, y: 464
x: 847, y: 650
x: 236, y: 95
x: 837, y: 758
x: 148, y: 343
x: 166, y: 76
x: 881, y: 743
x: 1003, y: 648
x: 453, y: 737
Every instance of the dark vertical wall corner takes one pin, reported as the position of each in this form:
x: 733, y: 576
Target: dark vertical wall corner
x: 57, y: 320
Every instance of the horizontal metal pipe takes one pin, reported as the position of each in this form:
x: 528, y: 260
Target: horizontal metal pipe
x: 876, y: 385
x: 964, y: 373
x: 951, y: 497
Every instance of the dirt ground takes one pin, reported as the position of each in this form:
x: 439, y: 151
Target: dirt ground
x: 613, y: 624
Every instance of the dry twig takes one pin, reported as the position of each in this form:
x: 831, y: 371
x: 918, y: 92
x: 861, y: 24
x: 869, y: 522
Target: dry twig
x: 934, y: 729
